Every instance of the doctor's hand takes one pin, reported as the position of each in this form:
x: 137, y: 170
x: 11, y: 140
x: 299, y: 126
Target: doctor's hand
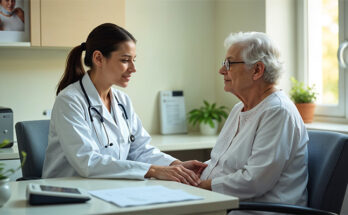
x: 173, y: 173
x: 194, y: 165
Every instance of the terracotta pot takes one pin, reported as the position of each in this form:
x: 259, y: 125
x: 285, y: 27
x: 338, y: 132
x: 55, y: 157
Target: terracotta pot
x: 306, y: 111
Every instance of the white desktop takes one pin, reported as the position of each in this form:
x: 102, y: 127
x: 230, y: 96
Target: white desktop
x: 212, y: 203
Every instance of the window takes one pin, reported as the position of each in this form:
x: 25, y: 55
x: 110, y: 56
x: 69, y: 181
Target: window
x: 322, y: 28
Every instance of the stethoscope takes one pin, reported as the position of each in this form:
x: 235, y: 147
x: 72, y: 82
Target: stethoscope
x: 131, y: 137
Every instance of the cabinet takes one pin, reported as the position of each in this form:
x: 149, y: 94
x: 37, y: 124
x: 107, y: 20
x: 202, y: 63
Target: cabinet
x: 67, y: 23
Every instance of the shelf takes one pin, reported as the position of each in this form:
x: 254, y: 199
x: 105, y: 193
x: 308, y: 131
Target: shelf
x: 342, y: 128
x: 15, y: 44
x: 183, y: 142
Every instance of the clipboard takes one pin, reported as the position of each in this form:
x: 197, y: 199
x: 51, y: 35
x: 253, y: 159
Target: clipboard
x: 173, y: 113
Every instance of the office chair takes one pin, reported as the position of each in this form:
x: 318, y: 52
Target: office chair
x: 327, y: 177
x: 32, y: 138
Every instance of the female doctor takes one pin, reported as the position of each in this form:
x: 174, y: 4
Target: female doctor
x: 94, y: 131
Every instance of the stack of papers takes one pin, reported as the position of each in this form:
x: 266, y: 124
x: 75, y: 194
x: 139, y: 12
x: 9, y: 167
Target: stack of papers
x: 135, y: 196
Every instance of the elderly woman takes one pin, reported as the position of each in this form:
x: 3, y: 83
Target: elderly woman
x: 261, y: 153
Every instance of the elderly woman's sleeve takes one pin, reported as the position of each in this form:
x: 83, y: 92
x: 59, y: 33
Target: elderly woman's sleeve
x: 275, y: 141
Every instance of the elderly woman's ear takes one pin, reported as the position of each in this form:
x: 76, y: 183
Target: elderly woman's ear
x: 259, y: 69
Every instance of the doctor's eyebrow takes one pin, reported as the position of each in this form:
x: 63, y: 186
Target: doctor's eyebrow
x: 126, y: 55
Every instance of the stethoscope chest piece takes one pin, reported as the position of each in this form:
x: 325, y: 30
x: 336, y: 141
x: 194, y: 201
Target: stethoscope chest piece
x: 131, y: 138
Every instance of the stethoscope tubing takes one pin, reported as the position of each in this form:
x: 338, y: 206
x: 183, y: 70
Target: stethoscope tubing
x: 131, y: 137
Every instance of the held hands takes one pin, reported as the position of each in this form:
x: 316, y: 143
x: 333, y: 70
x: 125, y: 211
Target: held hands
x: 194, y: 165
x: 173, y: 173
x: 187, y: 172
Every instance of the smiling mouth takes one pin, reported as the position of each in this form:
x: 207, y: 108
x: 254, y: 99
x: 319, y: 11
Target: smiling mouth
x: 126, y: 77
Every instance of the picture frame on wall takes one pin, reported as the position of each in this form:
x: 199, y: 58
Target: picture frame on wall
x: 14, y: 21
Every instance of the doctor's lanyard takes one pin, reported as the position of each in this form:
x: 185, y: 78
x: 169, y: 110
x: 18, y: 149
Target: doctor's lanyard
x: 131, y: 137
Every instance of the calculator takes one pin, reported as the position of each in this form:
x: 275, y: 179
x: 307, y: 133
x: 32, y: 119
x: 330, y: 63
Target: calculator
x: 39, y: 194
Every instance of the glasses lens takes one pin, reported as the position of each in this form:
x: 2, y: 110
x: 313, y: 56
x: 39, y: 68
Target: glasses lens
x: 226, y: 64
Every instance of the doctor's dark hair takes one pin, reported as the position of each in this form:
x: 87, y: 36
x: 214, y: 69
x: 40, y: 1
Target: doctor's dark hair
x: 105, y: 38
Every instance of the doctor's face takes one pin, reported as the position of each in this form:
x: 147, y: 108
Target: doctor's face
x: 8, y: 5
x: 118, y: 68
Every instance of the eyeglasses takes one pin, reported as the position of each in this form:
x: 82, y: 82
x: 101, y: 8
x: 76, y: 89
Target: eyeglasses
x: 226, y: 63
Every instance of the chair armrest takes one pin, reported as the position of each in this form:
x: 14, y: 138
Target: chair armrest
x: 280, y: 208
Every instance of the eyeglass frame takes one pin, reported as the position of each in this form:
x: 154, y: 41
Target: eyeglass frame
x: 227, y: 64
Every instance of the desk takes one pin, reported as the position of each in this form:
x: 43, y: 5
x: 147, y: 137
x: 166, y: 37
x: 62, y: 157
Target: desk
x: 185, y: 146
x: 213, y: 203
x: 183, y: 142
x: 165, y: 143
x: 182, y: 146
x: 9, y: 153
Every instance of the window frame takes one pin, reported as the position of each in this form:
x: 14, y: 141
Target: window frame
x: 323, y: 112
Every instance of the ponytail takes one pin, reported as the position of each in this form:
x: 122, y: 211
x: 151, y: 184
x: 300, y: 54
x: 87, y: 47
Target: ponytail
x: 104, y: 38
x: 74, y: 70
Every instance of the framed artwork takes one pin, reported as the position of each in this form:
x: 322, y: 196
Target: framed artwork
x: 14, y: 21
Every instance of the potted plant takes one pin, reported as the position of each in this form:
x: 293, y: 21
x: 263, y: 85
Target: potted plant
x: 5, y: 192
x: 304, y: 98
x: 208, y: 116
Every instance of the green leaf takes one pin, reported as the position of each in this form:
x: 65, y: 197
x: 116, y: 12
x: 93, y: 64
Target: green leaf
x: 300, y: 93
x: 4, y: 143
x: 7, y: 173
x: 211, y: 123
x: 206, y: 113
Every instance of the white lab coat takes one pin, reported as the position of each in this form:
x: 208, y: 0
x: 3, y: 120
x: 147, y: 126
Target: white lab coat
x: 261, y: 154
x: 73, y: 146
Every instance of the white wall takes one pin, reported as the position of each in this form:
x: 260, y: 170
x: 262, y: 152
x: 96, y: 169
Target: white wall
x: 234, y: 16
x: 175, y: 51
x: 274, y: 17
x: 281, y: 26
x: 28, y: 78
x: 180, y: 47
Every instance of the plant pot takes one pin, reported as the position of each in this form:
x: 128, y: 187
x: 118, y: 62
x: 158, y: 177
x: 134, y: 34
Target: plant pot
x: 306, y: 111
x: 5, y: 191
x: 207, y: 130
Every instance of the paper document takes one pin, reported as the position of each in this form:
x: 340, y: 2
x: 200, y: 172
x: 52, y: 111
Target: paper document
x: 134, y: 196
x: 173, y: 114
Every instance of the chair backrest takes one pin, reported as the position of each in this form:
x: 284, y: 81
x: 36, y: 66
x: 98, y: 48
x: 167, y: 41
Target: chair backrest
x: 328, y: 170
x: 32, y: 138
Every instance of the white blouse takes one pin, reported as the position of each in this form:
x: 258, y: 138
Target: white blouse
x: 261, y: 154
x: 12, y: 23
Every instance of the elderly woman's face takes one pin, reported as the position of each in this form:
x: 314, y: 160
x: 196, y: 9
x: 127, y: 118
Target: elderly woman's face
x: 238, y: 78
x: 8, y: 5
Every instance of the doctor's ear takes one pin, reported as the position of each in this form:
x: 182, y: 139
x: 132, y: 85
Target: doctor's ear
x: 97, y: 58
x: 259, y: 69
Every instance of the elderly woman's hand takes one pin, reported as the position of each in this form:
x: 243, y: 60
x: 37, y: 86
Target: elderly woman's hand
x: 206, y: 184
x: 194, y: 165
x: 173, y: 173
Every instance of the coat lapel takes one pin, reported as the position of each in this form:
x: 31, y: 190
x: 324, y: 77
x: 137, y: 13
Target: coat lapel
x: 96, y: 101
